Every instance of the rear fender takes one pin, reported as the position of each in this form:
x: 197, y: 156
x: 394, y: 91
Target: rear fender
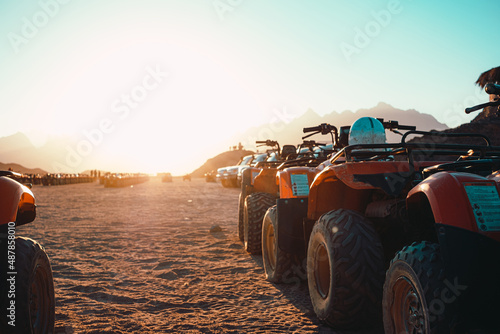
x: 252, y: 173
x: 17, y: 202
x: 294, y: 182
x: 265, y: 180
x: 449, y: 197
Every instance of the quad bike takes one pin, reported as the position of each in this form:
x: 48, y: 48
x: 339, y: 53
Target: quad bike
x: 254, y: 199
x: 293, y: 178
x: 260, y: 188
x: 259, y: 191
x: 397, y: 233
x: 27, y: 287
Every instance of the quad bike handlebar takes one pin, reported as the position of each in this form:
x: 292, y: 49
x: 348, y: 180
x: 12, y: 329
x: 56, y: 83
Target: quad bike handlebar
x: 481, y: 106
x: 323, y: 128
x: 489, y: 89
x: 394, y: 125
x: 269, y: 142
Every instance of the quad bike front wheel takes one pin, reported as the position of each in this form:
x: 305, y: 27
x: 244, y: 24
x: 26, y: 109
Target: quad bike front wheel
x: 276, y: 262
x: 35, y: 301
x: 345, y: 270
x: 416, y: 299
x: 255, y: 208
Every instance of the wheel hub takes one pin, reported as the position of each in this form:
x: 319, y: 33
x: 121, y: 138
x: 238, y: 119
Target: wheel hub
x: 407, y: 309
x: 322, y: 270
x: 271, y: 247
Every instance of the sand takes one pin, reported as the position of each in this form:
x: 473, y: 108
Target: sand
x: 142, y: 259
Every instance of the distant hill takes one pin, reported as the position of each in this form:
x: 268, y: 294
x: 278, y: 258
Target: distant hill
x: 229, y: 158
x: 485, y: 123
x: 21, y: 169
x: 19, y: 148
x: 291, y: 133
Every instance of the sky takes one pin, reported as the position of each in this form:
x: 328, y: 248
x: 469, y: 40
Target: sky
x: 159, y: 85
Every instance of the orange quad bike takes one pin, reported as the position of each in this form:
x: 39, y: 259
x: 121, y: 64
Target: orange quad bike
x: 402, y: 234
x: 258, y: 193
x: 27, y: 288
x: 293, y: 179
x: 260, y: 186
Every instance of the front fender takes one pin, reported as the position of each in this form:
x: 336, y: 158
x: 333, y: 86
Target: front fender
x: 328, y: 192
x: 451, y: 205
x: 17, y: 202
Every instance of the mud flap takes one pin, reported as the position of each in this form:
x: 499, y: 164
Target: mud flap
x: 290, y: 215
x: 472, y: 264
x: 246, y: 183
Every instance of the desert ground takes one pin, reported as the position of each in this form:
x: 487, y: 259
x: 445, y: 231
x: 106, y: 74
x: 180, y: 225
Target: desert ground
x: 143, y: 259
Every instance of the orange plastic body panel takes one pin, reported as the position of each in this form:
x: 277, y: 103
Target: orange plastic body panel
x: 448, y: 199
x: 346, y: 171
x: 254, y: 172
x: 285, y: 180
x: 265, y: 181
x: 328, y: 192
x: 335, y: 187
x: 13, y: 196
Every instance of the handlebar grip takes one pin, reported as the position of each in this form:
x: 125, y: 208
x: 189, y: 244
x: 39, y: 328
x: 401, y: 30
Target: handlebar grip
x: 260, y: 142
x: 311, y: 129
x: 472, y: 109
x: 492, y: 89
x: 407, y: 127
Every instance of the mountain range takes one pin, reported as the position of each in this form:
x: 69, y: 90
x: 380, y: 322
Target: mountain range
x: 52, y: 156
x: 292, y: 132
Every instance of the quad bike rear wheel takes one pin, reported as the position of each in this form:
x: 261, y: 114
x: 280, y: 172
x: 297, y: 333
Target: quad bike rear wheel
x: 35, y: 301
x: 255, y: 208
x: 246, y: 189
x: 345, y: 270
x: 413, y: 292
x: 241, y: 217
x: 276, y: 262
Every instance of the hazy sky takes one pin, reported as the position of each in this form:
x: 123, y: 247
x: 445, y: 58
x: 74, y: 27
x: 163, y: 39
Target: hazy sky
x: 159, y: 84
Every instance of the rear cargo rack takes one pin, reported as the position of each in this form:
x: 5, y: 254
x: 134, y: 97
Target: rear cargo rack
x: 420, y: 151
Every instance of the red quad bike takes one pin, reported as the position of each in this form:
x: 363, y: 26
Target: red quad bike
x: 27, y: 288
x: 407, y: 234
